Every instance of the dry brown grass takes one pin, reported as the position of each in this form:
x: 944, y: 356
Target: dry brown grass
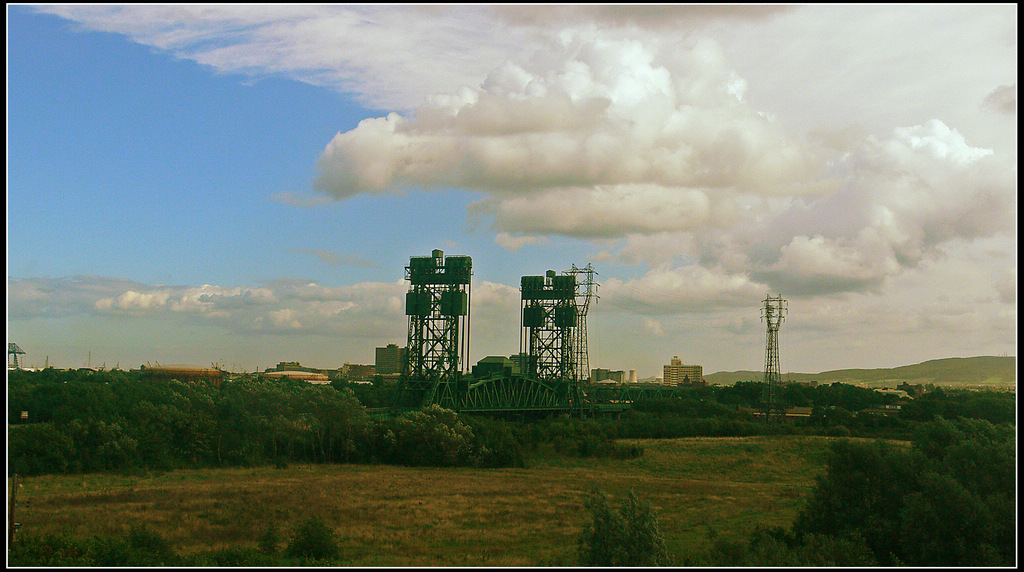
x: 400, y: 516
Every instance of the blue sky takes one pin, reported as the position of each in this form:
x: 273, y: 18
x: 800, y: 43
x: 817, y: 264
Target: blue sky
x: 245, y: 184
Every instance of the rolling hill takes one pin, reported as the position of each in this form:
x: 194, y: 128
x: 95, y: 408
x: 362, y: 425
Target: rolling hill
x: 987, y: 371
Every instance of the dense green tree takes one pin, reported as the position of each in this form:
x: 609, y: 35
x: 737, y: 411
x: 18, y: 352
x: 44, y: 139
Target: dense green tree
x: 947, y: 501
x: 629, y: 536
x: 39, y: 448
x: 861, y: 494
x: 434, y: 436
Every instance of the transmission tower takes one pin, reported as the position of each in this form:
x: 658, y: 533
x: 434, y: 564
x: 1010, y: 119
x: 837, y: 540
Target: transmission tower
x: 13, y: 351
x: 586, y: 289
x: 773, y: 313
x: 437, y: 304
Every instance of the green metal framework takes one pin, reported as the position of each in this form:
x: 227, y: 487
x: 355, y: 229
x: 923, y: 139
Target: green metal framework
x: 13, y: 351
x: 549, y: 322
x: 586, y: 289
x: 628, y: 393
x: 773, y: 313
x: 437, y: 304
x: 504, y: 393
x: 552, y: 339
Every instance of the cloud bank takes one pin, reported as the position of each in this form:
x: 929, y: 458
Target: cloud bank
x: 832, y: 171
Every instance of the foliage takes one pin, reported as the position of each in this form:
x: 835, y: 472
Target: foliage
x: 776, y: 547
x: 140, y: 546
x: 115, y: 421
x: 232, y: 556
x: 313, y: 540
x: 40, y: 448
x: 434, y: 436
x: 947, y: 501
x: 268, y: 540
x: 996, y: 407
x: 495, y: 444
x: 627, y: 537
x: 51, y: 550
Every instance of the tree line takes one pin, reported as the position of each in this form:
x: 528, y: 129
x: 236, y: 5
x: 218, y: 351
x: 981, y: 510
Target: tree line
x: 111, y: 420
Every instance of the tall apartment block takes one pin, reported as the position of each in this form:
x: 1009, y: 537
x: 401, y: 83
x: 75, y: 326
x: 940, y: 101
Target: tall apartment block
x: 389, y: 359
x: 678, y: 372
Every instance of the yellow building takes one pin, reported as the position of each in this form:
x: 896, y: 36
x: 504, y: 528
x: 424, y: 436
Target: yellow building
x: 679, y: 373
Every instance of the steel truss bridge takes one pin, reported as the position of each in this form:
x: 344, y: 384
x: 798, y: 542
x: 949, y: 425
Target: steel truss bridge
x: 512, y: 395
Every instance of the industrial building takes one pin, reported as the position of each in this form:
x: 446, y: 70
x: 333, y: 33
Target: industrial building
x: 679, y: 373
x: 600, y: 375
x: 187, y: 373
x: 358, y: 372
x: 308, y: 376
x: 495, y: 365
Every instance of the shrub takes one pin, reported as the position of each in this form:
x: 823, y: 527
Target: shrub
x: 267, y: 542
x: 628, y: 537
x: 50, y: 550
x: 148, y: 548
x: 314, y: 540
x: 431, y: 437
x: 495, y: 444
x: 231, y: 557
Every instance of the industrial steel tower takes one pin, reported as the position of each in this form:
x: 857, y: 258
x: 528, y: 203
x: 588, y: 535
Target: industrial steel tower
x: 773, y: 313
x: 13, y: 350
x: 586, y: 289
x: 437, y: 304
x: 548, y: 335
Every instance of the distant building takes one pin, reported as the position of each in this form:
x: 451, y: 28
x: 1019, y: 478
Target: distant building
x: 520, y: 363
x: 600, y: 374
x: 292, y: 366
x: 186, y: 373
x: 389, y: 359
x: 912, y: 390
x: 679, y: 373
x: 492, y: 365
x: 310, y: 376
x: 357, y: 372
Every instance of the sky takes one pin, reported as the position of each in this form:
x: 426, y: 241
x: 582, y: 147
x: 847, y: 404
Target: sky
x: 243, y: 185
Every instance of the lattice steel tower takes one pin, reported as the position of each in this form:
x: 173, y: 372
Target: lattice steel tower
x: 549, y: 327
x: 437, y: 304
x: 773, y: 313
x: 586, y: 289
x: 13, y: 351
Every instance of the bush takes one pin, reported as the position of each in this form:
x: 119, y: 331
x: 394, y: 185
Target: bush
x: 313, y: 540
x: 139, y: 547
x: 628, y: 537
x: 231, y: 557
x: 495, y: 444
x: 267, y: 542
x: 432, y: 437
x: 38, y: 449
x: 51, y: 550
x: 148, y: 548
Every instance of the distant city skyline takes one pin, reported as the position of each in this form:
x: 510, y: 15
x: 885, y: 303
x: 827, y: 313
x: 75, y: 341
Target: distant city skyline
x: 244, y: 184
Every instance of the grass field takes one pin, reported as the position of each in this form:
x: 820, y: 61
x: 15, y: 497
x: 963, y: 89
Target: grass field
x: 401, y: 516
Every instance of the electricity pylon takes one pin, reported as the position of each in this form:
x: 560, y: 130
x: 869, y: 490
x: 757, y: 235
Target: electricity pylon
x: 773, y: 313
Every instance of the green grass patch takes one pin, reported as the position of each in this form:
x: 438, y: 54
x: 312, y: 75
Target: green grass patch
x: 702, y: 488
